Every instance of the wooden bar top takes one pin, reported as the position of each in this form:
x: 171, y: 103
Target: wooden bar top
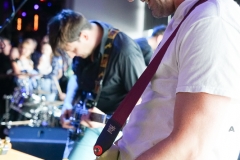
x: 13, y: 154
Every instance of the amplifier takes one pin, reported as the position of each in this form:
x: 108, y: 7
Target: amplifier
x: 43, y: 142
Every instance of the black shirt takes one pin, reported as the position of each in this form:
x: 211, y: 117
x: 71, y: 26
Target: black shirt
x: 125, y: 65
x: 35, y: 56
x: 146, y: 49
x: 6, y: 82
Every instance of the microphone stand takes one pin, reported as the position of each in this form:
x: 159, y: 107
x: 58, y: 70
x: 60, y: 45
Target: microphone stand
x: 8, y: 20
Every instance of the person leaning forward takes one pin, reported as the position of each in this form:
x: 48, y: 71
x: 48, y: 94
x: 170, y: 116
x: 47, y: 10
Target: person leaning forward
x: 190, y: 109
x: 89, y: 43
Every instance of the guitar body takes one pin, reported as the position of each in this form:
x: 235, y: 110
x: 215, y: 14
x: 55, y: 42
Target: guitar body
x: 78, y: 130
x: 80, y: 109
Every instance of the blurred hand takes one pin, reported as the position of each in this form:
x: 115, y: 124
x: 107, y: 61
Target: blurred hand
x: 62, y: 96
x: 91, y: 124
x: 64, y: 119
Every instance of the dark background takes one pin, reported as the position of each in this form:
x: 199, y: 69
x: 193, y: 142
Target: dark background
x: 121, y: 14
x: 47, y: 9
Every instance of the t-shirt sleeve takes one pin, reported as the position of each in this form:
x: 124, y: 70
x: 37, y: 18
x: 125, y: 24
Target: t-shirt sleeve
x: 209, y: 59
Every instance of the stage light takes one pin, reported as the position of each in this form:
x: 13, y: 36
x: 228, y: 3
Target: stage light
x: 35, y: 25
x: 36, y: 6
x: 19, y: 24
x: 49, y: 4
x: 5, y: 5
x: 24, y: 14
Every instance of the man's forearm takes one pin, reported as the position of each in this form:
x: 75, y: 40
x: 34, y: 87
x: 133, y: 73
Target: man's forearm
x: 71, y: 91
x: 171, y: 149
x: 163, y: 150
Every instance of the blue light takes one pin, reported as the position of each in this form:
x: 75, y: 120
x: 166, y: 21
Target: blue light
x: 49, y: 4
x: 24, y: 14
x: 5, y: 5
x: 36, y: 6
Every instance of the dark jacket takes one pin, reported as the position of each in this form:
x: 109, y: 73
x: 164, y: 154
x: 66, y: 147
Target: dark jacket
x: 126, y: 64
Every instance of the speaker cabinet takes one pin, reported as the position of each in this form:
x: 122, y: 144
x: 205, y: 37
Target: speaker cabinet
x: 42, y: 142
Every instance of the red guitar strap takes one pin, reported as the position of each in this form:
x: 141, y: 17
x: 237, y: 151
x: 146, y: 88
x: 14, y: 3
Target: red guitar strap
x: 114, y: 125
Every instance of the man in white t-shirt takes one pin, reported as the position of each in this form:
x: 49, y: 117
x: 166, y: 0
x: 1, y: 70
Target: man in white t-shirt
x: 190, y: 109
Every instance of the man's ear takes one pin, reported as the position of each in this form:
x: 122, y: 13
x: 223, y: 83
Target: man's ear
x: 84, y: 35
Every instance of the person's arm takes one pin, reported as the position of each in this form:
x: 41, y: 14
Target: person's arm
x: 198, y: 126
x: 60, y: 74
x: 208, y: 67
x: 55, y: 69
x: 67, y: 106
x: 15, y: 66
x: 16, y: 69
x: 60, y: 68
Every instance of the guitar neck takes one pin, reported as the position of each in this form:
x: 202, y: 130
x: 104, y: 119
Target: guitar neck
x: 101, y: 118
x: 79, y: 110
x: 78, y: 130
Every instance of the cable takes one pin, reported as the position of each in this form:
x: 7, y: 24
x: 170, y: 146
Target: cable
x: 8, y: 20
x: 13, y: 7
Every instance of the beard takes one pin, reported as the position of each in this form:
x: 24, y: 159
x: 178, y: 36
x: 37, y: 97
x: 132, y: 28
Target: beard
x: 160, y: 9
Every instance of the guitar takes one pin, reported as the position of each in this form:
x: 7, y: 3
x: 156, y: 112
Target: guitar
x: 81, y: 108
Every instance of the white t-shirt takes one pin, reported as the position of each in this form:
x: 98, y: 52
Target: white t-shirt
x: 25, y: 65
x: 204, y: 56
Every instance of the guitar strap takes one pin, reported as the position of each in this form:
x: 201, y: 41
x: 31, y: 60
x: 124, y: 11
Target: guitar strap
x: 115, y: 124
x: 101, y: 73
x: 104, y: 62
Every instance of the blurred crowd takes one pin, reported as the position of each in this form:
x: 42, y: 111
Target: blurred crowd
x: 32, y: 68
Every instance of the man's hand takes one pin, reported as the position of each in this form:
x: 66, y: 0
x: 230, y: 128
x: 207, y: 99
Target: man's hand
x: 91, y: 124
x: 62, y: 96
x: 64, y: 119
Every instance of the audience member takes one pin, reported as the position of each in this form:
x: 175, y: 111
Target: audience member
x: 35, y: 55
x: 50, y: 67
x: 23, y: 67
x: 14, y: 53
x: 6, y: 81
x: 148, y: 45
